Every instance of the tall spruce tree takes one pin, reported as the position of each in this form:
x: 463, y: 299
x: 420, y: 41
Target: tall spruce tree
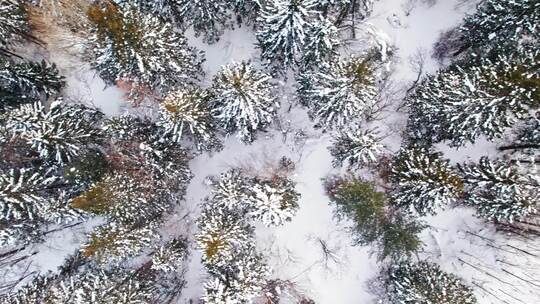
x: 341, y: 93
x: 484, y: 97
x: 356, y: 148
x: 14, y: 25
x: 140, y: 49
x: 187, y: 114
x: 501, y: 191
x: 424, y: 181
x: 425, y: 283
x: 244, y: 100
x: 283, y: 29
x: 28, y: 82
x: 57, y: 134
x: 501, y: 23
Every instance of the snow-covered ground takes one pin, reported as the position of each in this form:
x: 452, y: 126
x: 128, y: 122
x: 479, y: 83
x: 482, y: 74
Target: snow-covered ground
x: 295, y: 250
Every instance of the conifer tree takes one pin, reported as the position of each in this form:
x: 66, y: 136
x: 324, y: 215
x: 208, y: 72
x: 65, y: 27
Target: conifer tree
x: 27, y: 82
x: 359, y: 201
x: 341, y: 93
x: 394, y: 234
x: 424, y: 181
x: 501, y: 191
x: 114, y: 242
x: 187, y: 113
x: 274, y: 201
x: 356, y: 148
x: 321, y: 44
x: 483, y: 98
x: 501, y: 22
x: 425, y: 283
x: 244, y: 101
x: 23, y: 193
x: 170, y: 256
x: 208, y: 17
x: 246, y: 11
x: 13, y: 24
x: 283, y: 29
x: 57, y: 134
x: 130, y: 46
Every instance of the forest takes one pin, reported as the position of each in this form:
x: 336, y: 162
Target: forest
x: 269, y: 151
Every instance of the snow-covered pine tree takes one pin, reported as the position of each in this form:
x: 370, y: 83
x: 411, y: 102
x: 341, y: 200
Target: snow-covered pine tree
x: 527, y: 137
x: 246, y: 11
x: 28, y: 81
x: 502, y: 22
x: 483, y: 97
x: 283, y: 29
x: 141, y: 49
x: 424, y: 283
x: 168, y: 10
x: 114, y: 242
x: 244, y: 101
x: 357, y: 148
x: 13, y: 24
x: 340, y: 93
x: 170, y: 256
x: 501, y: 191
x: 424, y: 181
x: 23, y: 193
x: 222, y: 233
x: 274, y: 201
x: 238, y: 280
x: 208, y: 17
x: 57, y: 134
x: 321, y: 44
x: 232, y: 190
x: 187, y: 113
x: 91, y: 285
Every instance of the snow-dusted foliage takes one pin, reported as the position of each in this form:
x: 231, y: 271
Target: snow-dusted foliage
x: 356, y: 148
x: 502, y: 22
x: 394, y: 234
x: 23, y: 193
x: 244, y: 100
x: 227, y: 239
x: 283, y: 28
x: 140, y: 49
x: 114, y: 242
x: 208, y: 17
x: 528, y: 136
x: 239, y: 280
x: 232, y: 190
x: 28, y: 81
x: 424, y: 283
x: 94, y: 285
x: 170, y: 257
x: 321, y: 44
x: 169, y: 10
x: 57, y: 134
x: 13, y: 23
x: 340, y: 93
x: 274, y: 202
x: 246, y: 11
x: 501, y: 191
x: 186, y: 113
x: 424, y: 181
x: 484, y: 98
